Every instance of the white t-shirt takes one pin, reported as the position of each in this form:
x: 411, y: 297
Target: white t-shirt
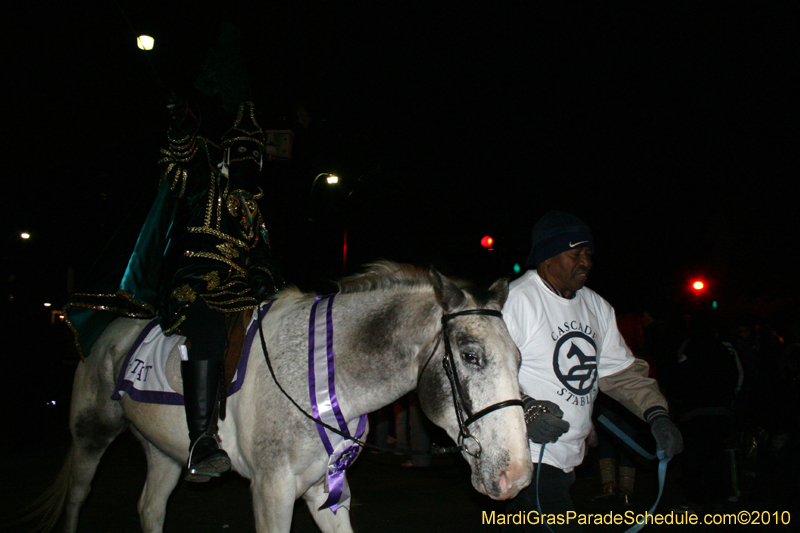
x: 566, y: 346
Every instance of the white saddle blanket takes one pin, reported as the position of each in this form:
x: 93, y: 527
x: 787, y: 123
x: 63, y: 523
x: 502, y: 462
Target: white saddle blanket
x: 151, y: 372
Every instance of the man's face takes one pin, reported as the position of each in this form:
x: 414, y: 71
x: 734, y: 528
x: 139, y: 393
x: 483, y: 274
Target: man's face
x: 568, y: 270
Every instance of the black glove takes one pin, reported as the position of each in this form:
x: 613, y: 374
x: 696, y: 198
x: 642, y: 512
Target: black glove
x: 543, y: 420
x: 667, y: 435
x: 262, y: 284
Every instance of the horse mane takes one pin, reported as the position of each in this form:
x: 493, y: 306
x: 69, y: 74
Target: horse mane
x: 385, y: 275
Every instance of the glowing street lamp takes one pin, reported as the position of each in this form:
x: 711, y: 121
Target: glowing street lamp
x: 24, y: 236
x: 331, y: 179
x: 145, y: 42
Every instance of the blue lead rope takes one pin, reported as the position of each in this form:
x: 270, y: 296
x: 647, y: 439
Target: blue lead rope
x: 660, y: 455
x: 662, y: 468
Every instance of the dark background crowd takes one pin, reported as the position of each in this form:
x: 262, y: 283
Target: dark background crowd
x: 732, y: 381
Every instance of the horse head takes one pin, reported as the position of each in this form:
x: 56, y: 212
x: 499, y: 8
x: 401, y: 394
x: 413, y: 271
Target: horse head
x: 478, y: 403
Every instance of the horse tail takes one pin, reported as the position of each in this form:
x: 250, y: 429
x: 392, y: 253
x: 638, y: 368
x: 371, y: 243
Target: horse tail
x: 47, y: 509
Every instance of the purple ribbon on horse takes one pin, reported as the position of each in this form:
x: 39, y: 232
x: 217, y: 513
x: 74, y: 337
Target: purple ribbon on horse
x: 325, y: 405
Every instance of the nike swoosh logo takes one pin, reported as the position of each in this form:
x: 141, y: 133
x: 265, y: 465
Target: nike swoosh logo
x: 576, y: 244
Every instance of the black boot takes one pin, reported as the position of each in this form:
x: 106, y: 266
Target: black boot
x: 201, y: 381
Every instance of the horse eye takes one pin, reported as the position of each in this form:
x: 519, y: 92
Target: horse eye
x: 470, y: 358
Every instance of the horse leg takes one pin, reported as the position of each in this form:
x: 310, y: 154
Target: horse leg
x: 273, y: 502
x: 328, y: 522
x: 94, y: 425
x: 163, y: 474
x: 95, y: 420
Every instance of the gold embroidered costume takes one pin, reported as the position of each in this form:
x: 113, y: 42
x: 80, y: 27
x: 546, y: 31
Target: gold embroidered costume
x: 204, y: 236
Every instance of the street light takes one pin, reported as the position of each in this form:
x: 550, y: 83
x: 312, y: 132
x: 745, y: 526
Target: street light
x: 24, y: 236
x: 331, y: 179
x: 145, y: 42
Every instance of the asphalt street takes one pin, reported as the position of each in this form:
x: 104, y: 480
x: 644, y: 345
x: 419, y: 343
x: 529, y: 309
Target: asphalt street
x: 386, y: 496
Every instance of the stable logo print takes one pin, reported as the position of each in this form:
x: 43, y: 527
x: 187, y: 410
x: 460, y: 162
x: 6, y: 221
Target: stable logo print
x: 575, y: 362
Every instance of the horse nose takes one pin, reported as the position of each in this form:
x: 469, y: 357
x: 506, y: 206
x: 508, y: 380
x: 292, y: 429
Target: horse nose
x: 513, y: 479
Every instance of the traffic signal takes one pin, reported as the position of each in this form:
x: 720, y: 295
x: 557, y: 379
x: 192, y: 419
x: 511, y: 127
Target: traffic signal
x: 487, y: 242
x: 702, y: 294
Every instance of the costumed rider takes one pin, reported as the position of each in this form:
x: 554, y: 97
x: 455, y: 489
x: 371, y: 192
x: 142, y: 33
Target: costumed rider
x: 571, y: 348
x: 201, y: 258
x: 219, y: 263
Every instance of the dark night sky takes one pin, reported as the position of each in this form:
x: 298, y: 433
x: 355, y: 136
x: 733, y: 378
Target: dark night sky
x: 670, y: 128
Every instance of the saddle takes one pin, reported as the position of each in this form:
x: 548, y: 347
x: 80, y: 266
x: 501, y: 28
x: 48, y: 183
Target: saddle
x: 236, y: 334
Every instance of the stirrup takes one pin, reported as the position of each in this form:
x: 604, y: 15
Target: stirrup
x: 212, y: 461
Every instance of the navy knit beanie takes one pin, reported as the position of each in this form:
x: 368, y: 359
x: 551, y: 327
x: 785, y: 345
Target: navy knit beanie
x: 557, y: 232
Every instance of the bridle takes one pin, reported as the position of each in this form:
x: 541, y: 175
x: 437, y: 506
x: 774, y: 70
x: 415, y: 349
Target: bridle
x: 458, y: 392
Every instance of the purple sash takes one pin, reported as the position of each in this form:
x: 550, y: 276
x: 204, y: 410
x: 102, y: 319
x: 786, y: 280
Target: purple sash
x: 325, y: 406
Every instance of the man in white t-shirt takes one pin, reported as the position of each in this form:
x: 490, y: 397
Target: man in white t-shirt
x: 571, y: 348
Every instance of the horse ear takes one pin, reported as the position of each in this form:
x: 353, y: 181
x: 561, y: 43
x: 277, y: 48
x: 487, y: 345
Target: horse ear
x: 449, y: 296
x: 499, y: 290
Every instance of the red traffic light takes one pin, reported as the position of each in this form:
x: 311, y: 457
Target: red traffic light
x: 487, y: 242
x: 698, y: 285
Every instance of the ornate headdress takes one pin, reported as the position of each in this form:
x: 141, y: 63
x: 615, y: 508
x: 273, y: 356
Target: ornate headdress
x: 247, y: 130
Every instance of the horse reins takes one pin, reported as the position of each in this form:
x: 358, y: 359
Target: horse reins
x: 455, y: 386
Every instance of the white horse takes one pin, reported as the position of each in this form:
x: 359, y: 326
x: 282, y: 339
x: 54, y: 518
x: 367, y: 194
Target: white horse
x: 390, y: 339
